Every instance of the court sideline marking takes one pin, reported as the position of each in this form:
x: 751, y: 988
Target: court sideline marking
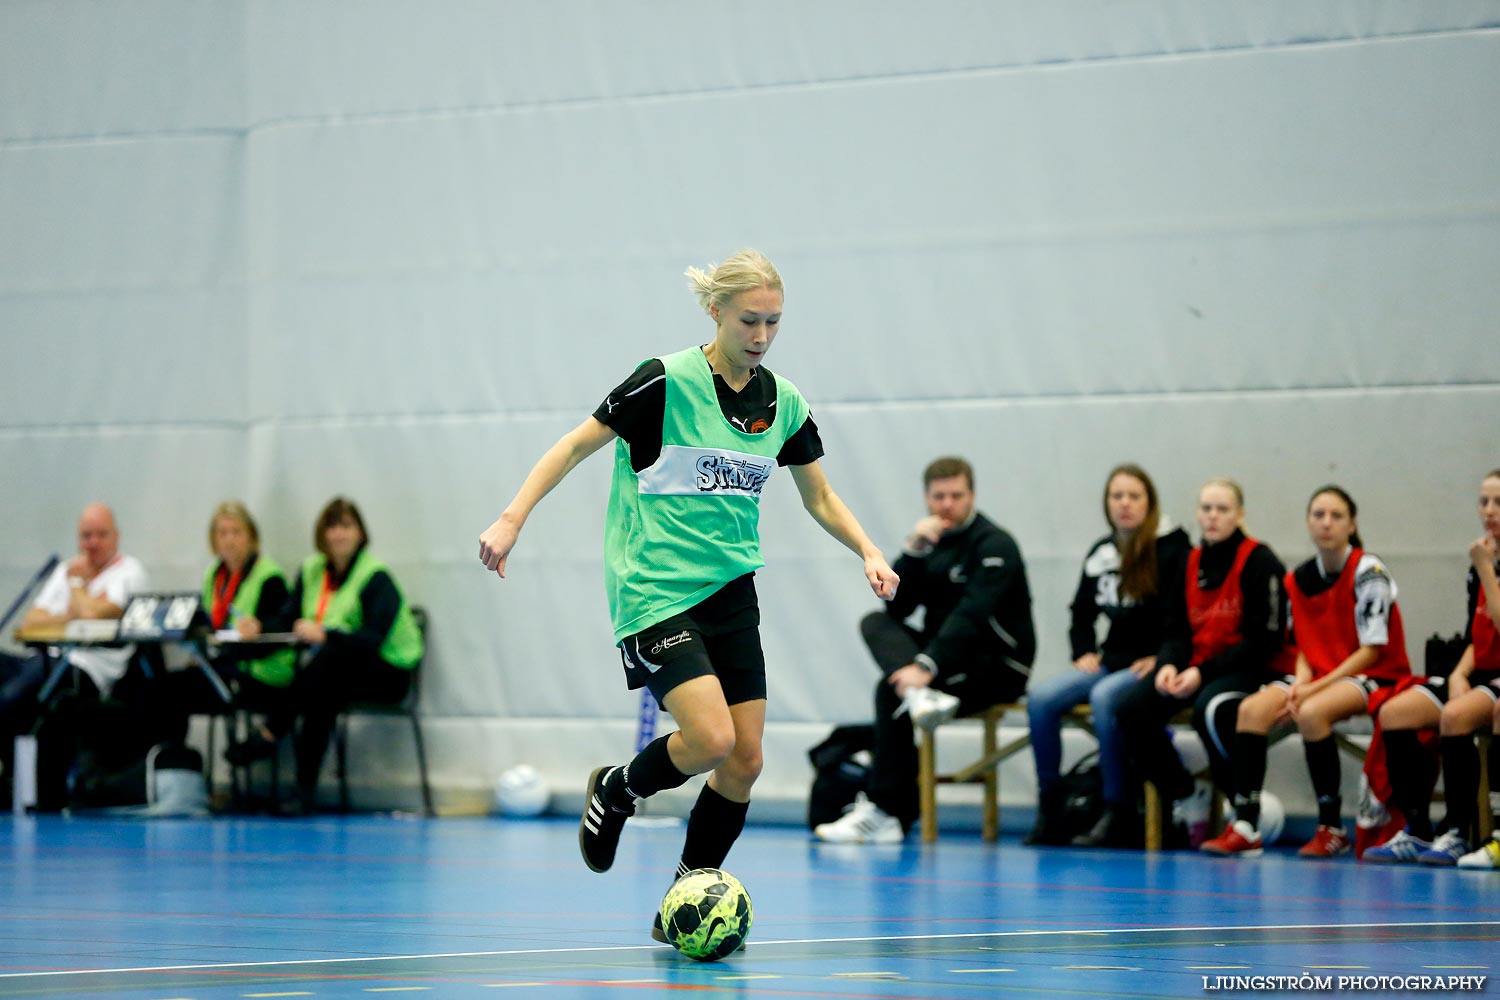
x: 793, y: 941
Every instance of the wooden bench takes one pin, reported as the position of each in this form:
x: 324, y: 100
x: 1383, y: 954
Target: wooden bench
x: 985, y: 770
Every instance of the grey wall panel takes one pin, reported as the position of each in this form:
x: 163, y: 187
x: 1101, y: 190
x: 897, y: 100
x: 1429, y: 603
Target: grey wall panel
x: 499, y: 342
x: 325, y: 58
x: 120, y: 215
x: 163, y: 357
x: 1206, y: 238
x: 71, y: 69
x: 162, y: 482
x: 1219, y: 223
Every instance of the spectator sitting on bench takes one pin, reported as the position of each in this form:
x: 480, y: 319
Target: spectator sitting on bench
x: 1121, y: 581
x: 974, y: 650
x: 1457, y: 707
x: 1224, y: 639
x: 1351, y: 653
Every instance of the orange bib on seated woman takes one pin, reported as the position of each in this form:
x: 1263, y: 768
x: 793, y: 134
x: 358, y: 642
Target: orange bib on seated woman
x: 1215, y: 615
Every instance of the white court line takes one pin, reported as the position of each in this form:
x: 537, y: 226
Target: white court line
x: 758, y: 942
x: 1455, y: 966
x: 752, y: 975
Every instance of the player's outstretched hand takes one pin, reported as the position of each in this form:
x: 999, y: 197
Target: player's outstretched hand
x: 496, y: 542
x: 883, y: 579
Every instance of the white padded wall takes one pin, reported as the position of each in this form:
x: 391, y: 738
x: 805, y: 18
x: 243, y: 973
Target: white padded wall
x: 282, y: 251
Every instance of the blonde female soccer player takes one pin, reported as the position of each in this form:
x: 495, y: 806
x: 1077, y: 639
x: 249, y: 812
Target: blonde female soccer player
x: 697, y: 435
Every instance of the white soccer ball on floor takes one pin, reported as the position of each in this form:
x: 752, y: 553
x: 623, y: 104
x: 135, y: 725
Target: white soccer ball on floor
x: 1272, y: 818
x: 521, y: 792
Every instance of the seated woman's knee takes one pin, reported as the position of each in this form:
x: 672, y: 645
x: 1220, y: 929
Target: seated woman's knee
x: 1457, y: 719
x: 1042, y: 707
x: 1315, y: 721
x: 1256, y: 712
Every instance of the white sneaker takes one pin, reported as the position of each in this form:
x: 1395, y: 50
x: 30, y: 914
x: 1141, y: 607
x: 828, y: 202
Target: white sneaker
x: 928, y: 707
x: 864, y: 823
x: 1446, y: 850
x: 1488, y: 856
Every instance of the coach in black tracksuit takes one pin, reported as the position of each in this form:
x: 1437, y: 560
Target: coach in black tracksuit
x: 977, y: 641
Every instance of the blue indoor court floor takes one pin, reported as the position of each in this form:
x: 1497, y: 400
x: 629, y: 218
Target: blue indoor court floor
x: 366, y: 906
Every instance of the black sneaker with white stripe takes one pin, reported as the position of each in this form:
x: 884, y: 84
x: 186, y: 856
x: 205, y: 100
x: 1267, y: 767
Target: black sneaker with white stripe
x: 599, y: 832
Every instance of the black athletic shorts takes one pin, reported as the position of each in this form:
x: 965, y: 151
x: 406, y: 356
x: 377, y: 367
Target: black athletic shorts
x: 1487, y: 681
x: 1367, y: 685
x: 718, y: 636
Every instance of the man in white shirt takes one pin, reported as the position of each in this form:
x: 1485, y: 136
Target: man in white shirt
x: 95, y: 584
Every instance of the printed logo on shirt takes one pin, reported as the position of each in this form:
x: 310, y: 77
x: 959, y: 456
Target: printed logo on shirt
x: 757, y: 426
x: 662, y: 645
x: 1107, y: 591
x: 718, y: 473
x: 684, y: 471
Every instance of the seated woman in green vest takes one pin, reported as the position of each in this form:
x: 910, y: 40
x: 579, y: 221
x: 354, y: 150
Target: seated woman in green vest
x: 241, y: 589
x: 362, y: 634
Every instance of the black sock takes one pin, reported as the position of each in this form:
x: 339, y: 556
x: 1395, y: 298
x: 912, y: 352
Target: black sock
x: 650, y: 772
x: 1323, y: 765
x: 1410, y: 766
x: 712, y: 828
x: 1461, y: 783
x: 1249, y: 775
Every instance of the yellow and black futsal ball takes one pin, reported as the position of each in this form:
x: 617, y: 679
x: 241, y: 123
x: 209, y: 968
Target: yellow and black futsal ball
x: 706, y: 914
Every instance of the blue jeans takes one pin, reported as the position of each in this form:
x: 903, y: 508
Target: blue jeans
x: 1048, y: 701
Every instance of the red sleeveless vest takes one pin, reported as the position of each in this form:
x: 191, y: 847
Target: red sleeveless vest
x: 1325, y: 627
x: 1486, y: 639
x: 1214, y: 615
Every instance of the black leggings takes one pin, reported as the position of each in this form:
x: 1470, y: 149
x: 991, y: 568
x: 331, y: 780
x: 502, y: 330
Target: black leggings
x: 1144, y: 713
x: 336, y: 676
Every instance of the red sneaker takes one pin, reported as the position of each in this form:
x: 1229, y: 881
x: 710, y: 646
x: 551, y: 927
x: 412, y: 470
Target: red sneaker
x: 1241, y: 840
x: 1328, y: 842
